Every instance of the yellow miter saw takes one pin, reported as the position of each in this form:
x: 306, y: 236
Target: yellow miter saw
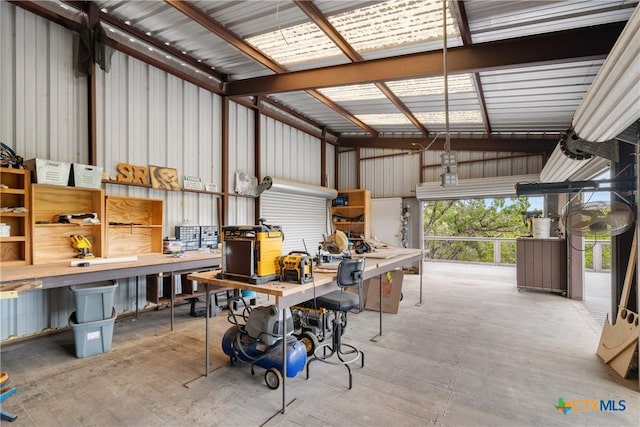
x: 82, y: 245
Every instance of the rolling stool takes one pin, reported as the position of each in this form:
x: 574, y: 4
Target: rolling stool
x: 350, y: 272
x: 4, y: 395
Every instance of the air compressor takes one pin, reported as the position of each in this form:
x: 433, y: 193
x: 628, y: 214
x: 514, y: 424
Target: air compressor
x: 256, y: 338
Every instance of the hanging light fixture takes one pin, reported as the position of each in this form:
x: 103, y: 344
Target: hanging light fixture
x: 448, y: 159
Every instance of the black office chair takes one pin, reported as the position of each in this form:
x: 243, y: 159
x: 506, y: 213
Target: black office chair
x: 350, y: 274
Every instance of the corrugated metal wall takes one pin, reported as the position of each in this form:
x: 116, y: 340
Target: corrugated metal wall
x: 473, y: 164
x: 395, y: 175
x: 293, y: 155
x: 43, y: 106
x: 347, y: 170
x: 331, y: 166
x: 289, y: 153
x: 241, y: 158
x: 43, y: 114
x: 148, y: 117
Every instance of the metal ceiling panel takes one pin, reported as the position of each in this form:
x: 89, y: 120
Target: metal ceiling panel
x: 165, y: 23
x: 536, y: 98
x: 498, y: 20
x: 311, y: 107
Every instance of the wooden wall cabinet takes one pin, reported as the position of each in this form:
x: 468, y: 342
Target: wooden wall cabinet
x: 52, y: 240
x: 133, y: 226
x: 15, y: 212
x: 542, y: 264
x: 354, y: 218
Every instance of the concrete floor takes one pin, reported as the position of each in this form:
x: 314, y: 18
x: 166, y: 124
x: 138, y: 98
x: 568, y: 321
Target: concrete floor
x: 597, y: 295
x: 476, y: 353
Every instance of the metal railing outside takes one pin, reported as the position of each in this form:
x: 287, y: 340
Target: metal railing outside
x: 597, y: 253
x: 503, y: 249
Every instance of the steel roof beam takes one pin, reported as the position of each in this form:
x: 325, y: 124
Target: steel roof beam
x: 318, y: 18
x: 216, y: 28
x: 559, y: 47
x: 513, y: 145
x: 460, y: 15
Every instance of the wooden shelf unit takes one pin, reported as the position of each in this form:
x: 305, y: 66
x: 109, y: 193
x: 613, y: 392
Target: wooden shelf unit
x: 359, y: 206
x: 160, y: 297
x: 51, y: 241
x: 15, y: 249
x: 133, y: 225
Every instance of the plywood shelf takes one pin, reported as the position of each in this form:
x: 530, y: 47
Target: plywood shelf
x: 58, y: 225
x: 14, y: 214
x: 16, y: 248
x: 134, y: 225
x: 51, y: 241
x: 13, y: 239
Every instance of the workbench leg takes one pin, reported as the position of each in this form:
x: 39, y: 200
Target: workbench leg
x: 420, y: 264
x: 375, y: 337
x: 206, y: 332
x: 137, y: 294
x: 173, y: 296
x: 284, y: 359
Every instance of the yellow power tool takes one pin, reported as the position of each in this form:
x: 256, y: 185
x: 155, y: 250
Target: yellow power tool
x: 82, y: 245
x: 296, y: 267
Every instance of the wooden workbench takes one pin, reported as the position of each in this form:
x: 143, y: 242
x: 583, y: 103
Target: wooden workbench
x: 56, y: 275
x: 24, y: 278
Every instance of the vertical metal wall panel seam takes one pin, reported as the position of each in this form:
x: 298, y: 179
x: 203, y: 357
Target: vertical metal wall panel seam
x: 7, y: 74
x: 257, y: 159
x: 330, y: 165
x: 224, y: 150
x: 38, y: 119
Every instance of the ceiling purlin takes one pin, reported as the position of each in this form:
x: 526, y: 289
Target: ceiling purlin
x: 323, y: 23
x: 141, y: 35
x: 551, y: 48
x: 460, y: 15
x: 210, y: 24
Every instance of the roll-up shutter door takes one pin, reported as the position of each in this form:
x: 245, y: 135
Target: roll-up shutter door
x: 500, y: 186
x: 303, y: 219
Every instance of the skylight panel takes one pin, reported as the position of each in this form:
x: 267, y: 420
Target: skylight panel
x: 353, y: 92
x: 295, y: 44
x: 404, y: 88
x: 383, y: 25
x: 384, y: 119
x: 459, y: 83
x: 393, y: 23
x: 434, y: 117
